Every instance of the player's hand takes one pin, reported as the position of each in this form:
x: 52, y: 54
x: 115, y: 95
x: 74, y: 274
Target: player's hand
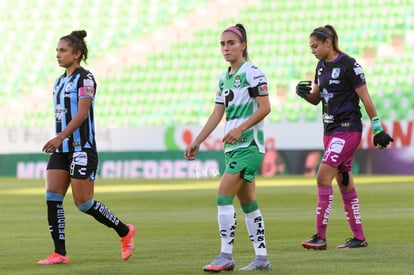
x: 52, y: 144
x: 191, y: 151
x: 232, y: 136
x: 382, y: 140
x: 303, y: 88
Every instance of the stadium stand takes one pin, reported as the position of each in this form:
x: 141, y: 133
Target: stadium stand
x: 158, y: 64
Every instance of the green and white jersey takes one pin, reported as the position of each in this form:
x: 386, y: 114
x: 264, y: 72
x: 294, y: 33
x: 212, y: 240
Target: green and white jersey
x: 238, y: 94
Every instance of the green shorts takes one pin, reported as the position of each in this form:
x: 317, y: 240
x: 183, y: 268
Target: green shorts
x: 247, y: 161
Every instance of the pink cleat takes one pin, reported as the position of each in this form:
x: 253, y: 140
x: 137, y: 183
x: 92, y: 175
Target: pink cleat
x: 55, y: 258
x: 127, y: 243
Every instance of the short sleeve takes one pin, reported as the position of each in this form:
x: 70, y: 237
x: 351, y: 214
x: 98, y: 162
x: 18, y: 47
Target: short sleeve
x: 219, y: 93
x: 316, y: 79
x: 355, y: 74
x: 256, y: 77
x: 87, y: 86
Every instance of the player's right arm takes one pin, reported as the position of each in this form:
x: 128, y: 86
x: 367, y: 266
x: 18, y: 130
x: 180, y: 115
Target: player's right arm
x: 314, y: 97
x: 310, y: 93
x: 211, y: 124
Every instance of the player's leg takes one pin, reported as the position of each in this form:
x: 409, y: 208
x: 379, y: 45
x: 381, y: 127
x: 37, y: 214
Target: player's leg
x: 352, y: 212
x: 83, y: 170
x: 226, y: 218
x: 326, y: 173
x: 255, y: 226
x: 57, y: 183
x: 241, y: 166
x: 345, y: 181
x: 254, y: 221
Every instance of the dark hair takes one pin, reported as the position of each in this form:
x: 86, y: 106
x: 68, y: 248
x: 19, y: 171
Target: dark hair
x: 327, y: 32
x: 243, y: 38
x: 77, y: 42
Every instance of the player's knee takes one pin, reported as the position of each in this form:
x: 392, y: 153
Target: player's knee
x: 250, y: 207
x: 345, y: 178
x: 52, y: 196
x: 225, y: 199
x: 84, y: 207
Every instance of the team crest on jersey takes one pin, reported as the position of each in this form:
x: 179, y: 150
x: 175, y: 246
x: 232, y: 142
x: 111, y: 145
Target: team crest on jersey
x: 335, y: 73
x: 69, y: 87
x: 237, y: 81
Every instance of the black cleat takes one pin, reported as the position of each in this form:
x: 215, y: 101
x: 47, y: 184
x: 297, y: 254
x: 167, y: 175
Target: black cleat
x: 316, y: 242
x: 353, y: 243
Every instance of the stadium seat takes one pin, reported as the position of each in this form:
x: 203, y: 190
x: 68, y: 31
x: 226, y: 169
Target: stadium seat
x: 178, y: 84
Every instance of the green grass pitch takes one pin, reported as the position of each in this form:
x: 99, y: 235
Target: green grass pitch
x: 177, y: 229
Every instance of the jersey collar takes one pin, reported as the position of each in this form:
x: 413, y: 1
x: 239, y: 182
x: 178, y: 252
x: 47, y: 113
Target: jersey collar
x: 235, y: 72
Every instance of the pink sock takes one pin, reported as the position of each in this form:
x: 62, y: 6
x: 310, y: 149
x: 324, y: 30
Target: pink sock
x: 351, y: 207
x: 325, y: 199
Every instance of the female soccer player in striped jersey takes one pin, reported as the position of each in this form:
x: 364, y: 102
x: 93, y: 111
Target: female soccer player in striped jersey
x: 243, y: 97
x: 340, y: 84
x: 74, y: 158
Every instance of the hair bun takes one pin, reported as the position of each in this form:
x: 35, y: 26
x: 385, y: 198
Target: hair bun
x: 79, y: 33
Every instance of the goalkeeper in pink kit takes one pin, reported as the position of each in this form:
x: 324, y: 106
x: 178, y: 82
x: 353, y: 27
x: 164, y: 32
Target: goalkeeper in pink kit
x: 339, y: 85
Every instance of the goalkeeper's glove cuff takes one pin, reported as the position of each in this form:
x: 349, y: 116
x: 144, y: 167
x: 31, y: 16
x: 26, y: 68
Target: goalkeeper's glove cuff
x: 376, y: 125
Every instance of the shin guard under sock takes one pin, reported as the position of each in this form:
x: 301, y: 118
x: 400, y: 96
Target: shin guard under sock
x: 56, y: 219
x: 352, y: 213
x: 227, y: 226
x: 103, y: 215
x: 255, y: 228
x: 325, y: 200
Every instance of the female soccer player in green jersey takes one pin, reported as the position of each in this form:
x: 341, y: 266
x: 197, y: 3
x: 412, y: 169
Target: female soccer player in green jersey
x: 243, y: 97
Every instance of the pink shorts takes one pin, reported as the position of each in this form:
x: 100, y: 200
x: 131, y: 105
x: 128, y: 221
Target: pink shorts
x: 340, y: 148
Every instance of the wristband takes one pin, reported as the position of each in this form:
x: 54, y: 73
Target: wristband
x: 376, y: 125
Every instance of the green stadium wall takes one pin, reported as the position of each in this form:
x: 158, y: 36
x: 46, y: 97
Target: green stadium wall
x: 281, y: 136
x: 157, y: 152
x: 210, y: 164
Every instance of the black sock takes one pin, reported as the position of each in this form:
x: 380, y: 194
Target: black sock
x: 56, y: 219
x: 103, y: 215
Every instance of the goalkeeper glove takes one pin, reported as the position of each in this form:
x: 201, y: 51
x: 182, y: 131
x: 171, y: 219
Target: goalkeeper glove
x: 381, y: 138
x: 303, y: 88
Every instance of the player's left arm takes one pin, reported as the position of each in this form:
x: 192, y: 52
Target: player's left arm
x: 86, y: 94
x: 381, y: 138
x: 362, y: 92
x: 261, y: 112
x: 357, y: 79
x: 84, y: 105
